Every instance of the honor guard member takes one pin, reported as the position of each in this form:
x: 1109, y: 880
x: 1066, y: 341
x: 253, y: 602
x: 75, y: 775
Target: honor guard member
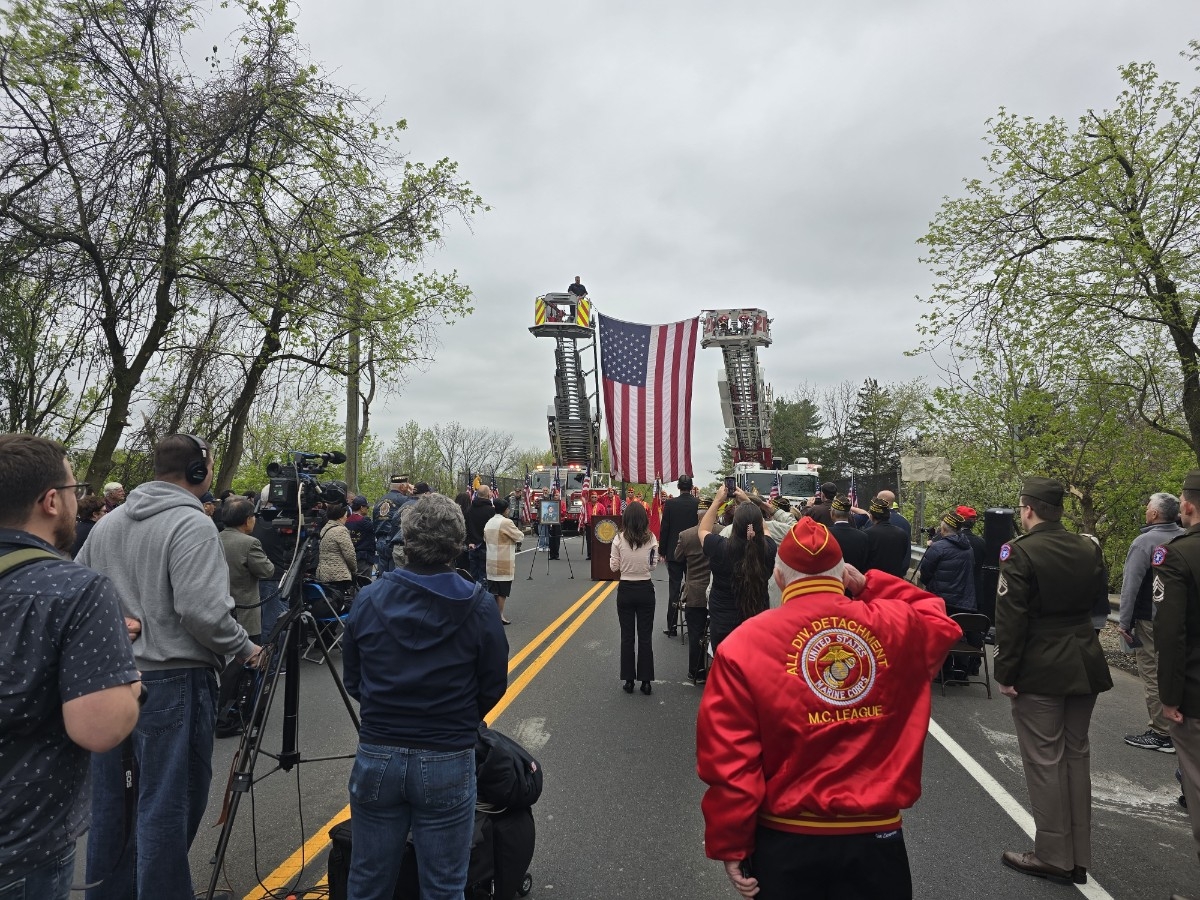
x: 1050, y: 663
x: 1177, y: 639
x: 386, y: 519
x: 812, y: 728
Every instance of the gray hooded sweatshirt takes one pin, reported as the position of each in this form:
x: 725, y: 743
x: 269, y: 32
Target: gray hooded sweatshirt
x: 164, y: 555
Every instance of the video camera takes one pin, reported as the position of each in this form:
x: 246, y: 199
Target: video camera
x: 293, y: 488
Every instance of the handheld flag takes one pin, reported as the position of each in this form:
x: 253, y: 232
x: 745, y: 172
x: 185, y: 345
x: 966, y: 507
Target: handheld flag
x: 586, y: 516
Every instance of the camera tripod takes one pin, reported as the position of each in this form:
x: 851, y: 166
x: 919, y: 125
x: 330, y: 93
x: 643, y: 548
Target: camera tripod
x: 280, y: 655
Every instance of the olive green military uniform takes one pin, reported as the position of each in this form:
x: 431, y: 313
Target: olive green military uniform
x: 1047, y: 649
x: 1176, y: 596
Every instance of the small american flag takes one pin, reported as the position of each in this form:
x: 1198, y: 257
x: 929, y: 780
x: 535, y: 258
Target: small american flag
x: 527, y: 497
x: 586, y: 515
x: 852, y: 494
x: 647, y: 379
x: 777, y: 485
x: 493, y: 486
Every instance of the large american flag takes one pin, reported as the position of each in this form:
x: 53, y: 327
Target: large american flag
x: 647, y: 379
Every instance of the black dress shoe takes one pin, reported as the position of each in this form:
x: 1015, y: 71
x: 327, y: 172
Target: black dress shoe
x: 646, y: 687
x: 1028, y: 864
x: 1079, y: 875
x: 627, y: 687
x: 672, y: 632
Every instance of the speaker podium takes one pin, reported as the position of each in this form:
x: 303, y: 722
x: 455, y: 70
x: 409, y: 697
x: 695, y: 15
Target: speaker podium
x: 603, y: 532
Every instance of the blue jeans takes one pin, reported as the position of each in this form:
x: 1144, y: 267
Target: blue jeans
x: 51, y: 882
x: 393, y: 789
x: 273, y: 606
x: 173, y: 744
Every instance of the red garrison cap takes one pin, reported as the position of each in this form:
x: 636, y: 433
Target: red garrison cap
x: 967, y: 513
x: 808, y: 547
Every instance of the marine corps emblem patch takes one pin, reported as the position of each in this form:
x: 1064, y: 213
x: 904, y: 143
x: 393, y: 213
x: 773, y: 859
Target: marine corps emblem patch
x: 839, y: 666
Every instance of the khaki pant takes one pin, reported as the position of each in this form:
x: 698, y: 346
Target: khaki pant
x: 1186, y: 737
x: 1052, y: 733
x: 1147, y: 666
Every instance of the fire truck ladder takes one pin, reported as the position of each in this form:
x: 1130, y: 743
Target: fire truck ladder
x: 574, y: 429
x: 745, y: 396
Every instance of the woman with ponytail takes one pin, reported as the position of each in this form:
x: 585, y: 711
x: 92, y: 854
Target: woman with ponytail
x: 634, y: 554
x: 741, y: 565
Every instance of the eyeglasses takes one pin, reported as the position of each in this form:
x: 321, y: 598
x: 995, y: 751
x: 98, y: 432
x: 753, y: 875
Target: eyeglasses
x: 81, y: 490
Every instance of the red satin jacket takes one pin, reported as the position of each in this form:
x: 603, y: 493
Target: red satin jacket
x: 814, y: 716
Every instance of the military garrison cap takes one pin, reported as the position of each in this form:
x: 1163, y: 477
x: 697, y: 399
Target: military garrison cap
x: 1048, y: 490
x: 1191, y: 481
x: 953, y: 519
x: 841, y: 503
x: 880, y: 509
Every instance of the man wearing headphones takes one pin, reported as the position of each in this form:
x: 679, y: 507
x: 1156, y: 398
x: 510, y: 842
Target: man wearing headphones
x: 164, y: 555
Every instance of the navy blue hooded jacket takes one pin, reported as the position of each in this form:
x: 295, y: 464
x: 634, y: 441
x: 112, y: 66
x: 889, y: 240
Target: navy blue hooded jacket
x: 948, y: 570
x: 426, y: 657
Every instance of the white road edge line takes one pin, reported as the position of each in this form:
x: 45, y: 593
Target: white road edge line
x: 1007, y: 802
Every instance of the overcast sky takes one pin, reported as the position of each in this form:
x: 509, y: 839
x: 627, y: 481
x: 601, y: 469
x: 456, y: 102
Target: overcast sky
x: 682, y: 156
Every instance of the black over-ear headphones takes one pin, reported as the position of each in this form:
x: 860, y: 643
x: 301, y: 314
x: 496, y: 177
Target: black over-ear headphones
x: 197, y: 469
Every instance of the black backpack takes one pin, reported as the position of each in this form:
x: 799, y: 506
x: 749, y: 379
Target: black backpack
x: 507, y: 776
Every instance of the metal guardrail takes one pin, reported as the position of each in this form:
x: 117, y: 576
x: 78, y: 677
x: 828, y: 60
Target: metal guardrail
x: 918, y: 553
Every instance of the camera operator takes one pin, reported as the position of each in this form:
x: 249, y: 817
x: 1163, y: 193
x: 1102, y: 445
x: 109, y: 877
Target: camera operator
x: 280, y: 549
x: 164, y: 555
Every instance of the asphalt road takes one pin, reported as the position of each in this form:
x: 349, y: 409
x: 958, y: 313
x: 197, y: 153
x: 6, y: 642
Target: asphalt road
x: 620, y: 814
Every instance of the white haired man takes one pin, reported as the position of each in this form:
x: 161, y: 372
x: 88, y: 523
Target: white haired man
x: 1136, y: 615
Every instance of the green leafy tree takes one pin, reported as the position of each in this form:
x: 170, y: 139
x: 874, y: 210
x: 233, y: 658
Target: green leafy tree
x: 885, y: 419
x: 796, y: 427
x: 1085, y: 235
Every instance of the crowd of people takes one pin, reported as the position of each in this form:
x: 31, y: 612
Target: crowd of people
x: 126, y: 656
x: 811, y: 722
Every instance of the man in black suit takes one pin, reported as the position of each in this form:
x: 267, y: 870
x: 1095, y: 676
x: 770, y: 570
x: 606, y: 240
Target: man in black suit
x: 854, y: 543
x: 678, y: 515
x: 888, y: 548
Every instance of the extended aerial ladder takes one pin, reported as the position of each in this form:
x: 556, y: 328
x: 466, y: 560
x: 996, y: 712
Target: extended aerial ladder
x: 745, y: 396
x: 573, y: 420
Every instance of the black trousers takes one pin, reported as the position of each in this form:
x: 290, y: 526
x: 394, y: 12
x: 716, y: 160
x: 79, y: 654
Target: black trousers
x: 675, y: 573
x: 831, y: 867
x: 635, y: 608
x: 555, y: 540
x: 696, y: 618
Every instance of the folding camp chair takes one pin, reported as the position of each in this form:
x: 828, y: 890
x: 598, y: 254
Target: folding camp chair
x: 329, y: 611
x: 978, y: 623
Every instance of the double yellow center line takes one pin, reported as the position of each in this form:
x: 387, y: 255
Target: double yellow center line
x: 278, y: 880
